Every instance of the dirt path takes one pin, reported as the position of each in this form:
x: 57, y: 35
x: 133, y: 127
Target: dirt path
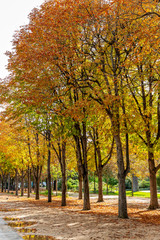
x: 71, y: 223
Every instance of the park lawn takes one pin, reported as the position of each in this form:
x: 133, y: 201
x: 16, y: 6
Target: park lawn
x: 140, y: 194
x: 136, y: 194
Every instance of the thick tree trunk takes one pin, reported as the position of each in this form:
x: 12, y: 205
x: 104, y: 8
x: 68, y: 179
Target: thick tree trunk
x: 122, y: 201
x: 100, y: 186
x: 80, y: 179
x: 16, y: 183
x: 80, y: 187
x: 37, y: 189
x: 153, y: 182
x: 63, y: 189
x: 86, y: 201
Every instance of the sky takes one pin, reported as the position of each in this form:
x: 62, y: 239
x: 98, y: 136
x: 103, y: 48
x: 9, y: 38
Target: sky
x: 13, y: 14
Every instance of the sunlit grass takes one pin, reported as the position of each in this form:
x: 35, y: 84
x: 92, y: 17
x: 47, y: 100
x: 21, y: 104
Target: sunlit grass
x: 138, y: 194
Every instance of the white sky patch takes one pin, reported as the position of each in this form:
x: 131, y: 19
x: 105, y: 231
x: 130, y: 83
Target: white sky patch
x: 13, y: 14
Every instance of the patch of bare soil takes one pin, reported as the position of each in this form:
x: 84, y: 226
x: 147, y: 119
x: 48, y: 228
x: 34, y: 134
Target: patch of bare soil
x: 71, y: 223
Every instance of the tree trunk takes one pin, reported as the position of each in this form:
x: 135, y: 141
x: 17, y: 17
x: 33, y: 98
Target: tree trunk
x: 63, y: 189
x: 94, y: 183
x: 63, y: 170
x: 100, y: 186
x: 49, y: 167
x: 5, y: 184
x: 80, y: 178
x: 34, y: 189
x: 153, y: 182
x: 2, y: 184
x: 37, y: 188
x: 122, y: 201
x: 56, y: 186
x: 29, y: 182
x: 22, y: 183
x: 86, y: 201
x: 16, y: 179
x: 8, y: 183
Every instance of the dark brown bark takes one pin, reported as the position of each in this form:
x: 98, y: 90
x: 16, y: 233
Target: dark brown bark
x: 16, y: 182
x: 29, y: 182
x: 56, y: 187
x: 37, y: 175
x: 80, y: 178
x: 22, y: 182
x: 100, y: 186
x: 63, y: 170
x: 122, y: 202
x: 37, y: 189
x: 153, y: 182
x: 2, y: 185
x: 5, y: 183
x: 61, y: 154
x: 48, y: 137
x: 8, y: 183
x: 99, y: 172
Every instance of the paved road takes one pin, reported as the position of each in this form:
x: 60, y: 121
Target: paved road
x: 7, y: 233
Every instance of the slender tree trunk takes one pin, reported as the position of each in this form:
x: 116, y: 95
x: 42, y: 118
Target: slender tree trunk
x: 8, y: 183
x: 16, y: 179
x: 22, y: 183
x: 52, y: 184
x: 153, y: 182
x: 29, y: 182
x: 86, y: 202
x: 56, y: 187
x: 5, y: 184
x: 49, y: 167
x: 63, y: 169
x: 37, y: 188
x: 2, y: 184
x: 94, y: 183
x: 46, y: 183
x: 100, y: 186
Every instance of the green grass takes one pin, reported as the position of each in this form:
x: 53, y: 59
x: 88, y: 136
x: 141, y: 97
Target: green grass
x: 137, y: 194
x: 140, y: 194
